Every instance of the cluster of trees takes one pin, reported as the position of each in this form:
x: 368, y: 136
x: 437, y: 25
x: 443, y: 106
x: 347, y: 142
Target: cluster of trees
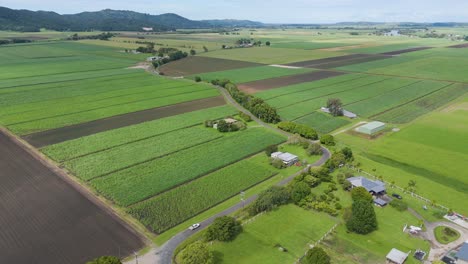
x: 269, y: 199
x: 196, y: 253
x: 300, y: 189
x: 295, y: 128
x: 399, y: 205
x: 466, y: 38
x: 223, y: 229
x: 245, y: 117
x: 335, y: 106
x: 13, y: 41
x: 149, y: 48
x: 102, y: 36
x: 327, y: 140
x: 339, y: 158
x: 255, y: 105
x: 316, y: 255
x: 362, y: 218
x: 224, y: 126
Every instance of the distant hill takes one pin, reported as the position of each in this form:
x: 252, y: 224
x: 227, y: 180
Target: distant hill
x: 106, y: 20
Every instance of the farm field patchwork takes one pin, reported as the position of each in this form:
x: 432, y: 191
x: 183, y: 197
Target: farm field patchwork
x: 323, y: 123
x: 307, y: 45
x: 268, y: 55
x: 154, y: 177
x: 251, y: 74
x: 437, y: 64
x: 175, y: 206
x: 199, y: 64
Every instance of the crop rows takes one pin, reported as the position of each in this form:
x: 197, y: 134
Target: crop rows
x: 112, y: 138
x: 115, y: 109
x: 104, y: 162
x: 134, y: 184
x: 177, y: 205
x: 410, y: 111
x: 386, y: 101
x: 323, y: 123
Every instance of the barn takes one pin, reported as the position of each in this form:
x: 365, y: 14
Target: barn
x: 371, y: 128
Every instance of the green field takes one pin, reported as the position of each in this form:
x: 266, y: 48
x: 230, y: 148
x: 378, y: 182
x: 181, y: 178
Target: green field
x: 156, y: 176
x: 270, y: 55
x: 251, y: 74
x: 307, y: 45
x: 432, y: 151
x: 177, y: 205
x: 436, y: 64
x: 289, y: 226
x: 323, y: 123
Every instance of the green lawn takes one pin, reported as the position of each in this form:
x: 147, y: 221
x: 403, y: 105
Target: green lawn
x: 290, y: 226
x: 433, y: 151
x: 251, y: 74
x: 446, y: 235
x: 307, y: 45
x: 322, y: 122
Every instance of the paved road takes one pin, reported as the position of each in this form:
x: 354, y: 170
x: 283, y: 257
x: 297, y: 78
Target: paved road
x: 163, y: 255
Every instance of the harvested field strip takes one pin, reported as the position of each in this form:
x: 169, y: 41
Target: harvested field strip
x: 459, y: 46
x: 141, y: 182
x: 100, y: 101
x: 311, y: 63
x: 177, y: 205
x: 48, y: 220
x: 251, y: 74
x: 116, y: 109
x: 256, y: 86
x: 323, y: 123
x: 197, y: 64
x: 395, y: 98
x: 84, y: 145
x: 82, y: 101
x: 131, y: 154
x: 352, y: 61
x: 423, y: 105
x: 299, y: 97
x: 398, y: 52
x: 285, y: 90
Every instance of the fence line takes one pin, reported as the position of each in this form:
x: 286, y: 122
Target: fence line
x: 400, y: 188
x: 312, y: 245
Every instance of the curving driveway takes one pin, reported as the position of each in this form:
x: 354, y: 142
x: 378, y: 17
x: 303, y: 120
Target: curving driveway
x: 163, y: 255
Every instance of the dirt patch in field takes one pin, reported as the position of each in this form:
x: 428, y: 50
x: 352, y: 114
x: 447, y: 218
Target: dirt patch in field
x: 452, y: 108
x: 197, y: 64
x: 261, y: 85
x: 339, y: 61
x: 45, y: 220
x: 54, y: 136
x: 142, y: 65
x: 459, y: 46
x: 398, y: 52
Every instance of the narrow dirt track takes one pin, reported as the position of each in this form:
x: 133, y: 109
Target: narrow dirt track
x: 62, y: 134
x: 48, y: 220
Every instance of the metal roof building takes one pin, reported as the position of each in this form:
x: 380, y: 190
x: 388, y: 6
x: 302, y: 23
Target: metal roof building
x: 286, y: 158
x: 462, y: 254
x: 371, y: 128
x: 371, y: 186
x: 396, y: 256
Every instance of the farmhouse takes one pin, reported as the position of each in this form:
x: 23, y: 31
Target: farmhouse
x: 374, y: 187
x: 462, y: 254
x: 371, y: 128
x: 345, y: 113
x: 287, y: 158
x: 396, y: 256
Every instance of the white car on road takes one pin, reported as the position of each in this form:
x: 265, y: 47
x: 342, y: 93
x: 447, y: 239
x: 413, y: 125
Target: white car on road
x: 194, y: 226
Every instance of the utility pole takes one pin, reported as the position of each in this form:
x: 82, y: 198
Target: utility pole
x: 136, y: 257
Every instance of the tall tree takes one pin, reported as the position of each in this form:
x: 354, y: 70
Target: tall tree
x: 316, y: 255
x: 224, y: 228
x: 335, y: 106
x: 360, y: 193
x: 196, y: 253
x: 363, y: 219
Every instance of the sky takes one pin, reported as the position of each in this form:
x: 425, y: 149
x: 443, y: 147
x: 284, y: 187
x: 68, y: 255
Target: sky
x: 271, y: 11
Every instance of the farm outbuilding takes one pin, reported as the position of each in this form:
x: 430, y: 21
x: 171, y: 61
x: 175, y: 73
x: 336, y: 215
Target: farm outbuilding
x: 373, y: 187
x: 396, y: 256
x: 462, y: 254
x: 371, y: 128
x: 287, y: 158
